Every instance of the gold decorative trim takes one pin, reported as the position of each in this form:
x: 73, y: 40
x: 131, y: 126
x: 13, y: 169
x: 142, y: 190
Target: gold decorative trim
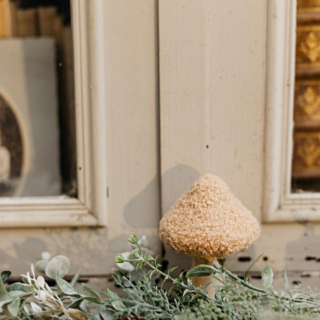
x: 307, y: 82
x: 306, y: 154
x: 308, y: 10
x: 308, y: 65
x: 308, y: 4
x: 308, y: 28
x: 308, y: 46
x: 307, y: 101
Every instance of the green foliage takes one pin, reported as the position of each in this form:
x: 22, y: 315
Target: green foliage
x: 235, y: 298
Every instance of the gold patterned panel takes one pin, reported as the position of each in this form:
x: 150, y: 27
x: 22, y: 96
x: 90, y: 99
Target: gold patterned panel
x: 306, y: 154
x: 308, y: 4
x: 308, y: 46
x: 307, y: 100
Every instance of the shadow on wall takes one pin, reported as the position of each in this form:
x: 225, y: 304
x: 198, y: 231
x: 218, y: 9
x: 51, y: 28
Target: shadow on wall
x: 142, y: 211
x: 85, y: 247
x: 175, y: 182
x: 139, y: 212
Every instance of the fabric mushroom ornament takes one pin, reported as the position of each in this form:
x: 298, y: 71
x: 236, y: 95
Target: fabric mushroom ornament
x: 208, y: 222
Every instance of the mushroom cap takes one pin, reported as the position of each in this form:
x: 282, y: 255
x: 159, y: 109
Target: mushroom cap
x: 208, y: 220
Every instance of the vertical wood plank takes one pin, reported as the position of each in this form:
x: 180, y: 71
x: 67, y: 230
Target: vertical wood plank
x: 212, y: 73
x: 132, y: 112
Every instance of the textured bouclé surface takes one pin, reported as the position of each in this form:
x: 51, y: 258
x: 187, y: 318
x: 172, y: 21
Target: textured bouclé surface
x: 208, y: 220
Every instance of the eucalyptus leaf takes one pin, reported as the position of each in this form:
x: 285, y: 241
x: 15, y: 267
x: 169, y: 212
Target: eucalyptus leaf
x: 91, y: 293
x: 6, y: 300
x: 5, y: 275
x: 66, y: 288
x: 57, y: 267
x: 41, y: 266
x: 267, y: 277
x: 2, y: 287
x: 15, y: 294
x: 35, y: 308
x: 201, y: 270
x: 14, y: 307
x: 17, y: 287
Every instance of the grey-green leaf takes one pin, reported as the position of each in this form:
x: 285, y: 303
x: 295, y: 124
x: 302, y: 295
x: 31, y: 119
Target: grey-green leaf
x: 17, y: 287
x: 41, y: 266
x: 2, y: 287
x: 91, y: 293
x: 15, y: 294
x: 251, y: 265
x: 201, y: 270
x: 5, y: 275
x: 286, y: 281
x: 14, y: 307
x: 186, y: 291
x: 66, y: 288
x: 35, y: 308
x: 57, y: 267
x: 267, y: 277
x: 115, y: 301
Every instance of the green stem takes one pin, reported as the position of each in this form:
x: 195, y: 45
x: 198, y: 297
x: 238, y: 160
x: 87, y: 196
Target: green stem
x: 253, y: 288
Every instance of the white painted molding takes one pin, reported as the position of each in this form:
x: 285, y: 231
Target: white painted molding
x: 279, y: 203
x: 90, y: 209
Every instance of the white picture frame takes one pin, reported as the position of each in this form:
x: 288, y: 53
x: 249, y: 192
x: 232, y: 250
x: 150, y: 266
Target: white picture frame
x: 280, y: 204
x: 90, y: 208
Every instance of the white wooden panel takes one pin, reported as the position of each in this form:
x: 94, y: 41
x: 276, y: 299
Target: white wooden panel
x: 212, y: 60
x: 132, y: 122
x: 131, y: 144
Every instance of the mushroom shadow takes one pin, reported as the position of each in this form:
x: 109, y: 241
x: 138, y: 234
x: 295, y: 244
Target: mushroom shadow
x: 139, y: 211
x: 175, y: 182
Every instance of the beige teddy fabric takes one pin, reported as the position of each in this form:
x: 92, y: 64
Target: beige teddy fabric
x: 208, y: 220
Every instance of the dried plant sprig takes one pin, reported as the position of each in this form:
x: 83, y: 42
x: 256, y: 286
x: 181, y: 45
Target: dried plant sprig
x: 235, y: 298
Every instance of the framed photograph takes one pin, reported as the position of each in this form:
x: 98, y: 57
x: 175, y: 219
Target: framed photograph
x: 29, y: 132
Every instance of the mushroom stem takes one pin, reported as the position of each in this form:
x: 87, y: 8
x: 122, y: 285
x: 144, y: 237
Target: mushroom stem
x: 203, y: 281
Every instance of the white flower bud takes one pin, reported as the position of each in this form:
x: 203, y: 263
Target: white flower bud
x: 46, y: 255
x: 40, y: 281
x: 42, y: 295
